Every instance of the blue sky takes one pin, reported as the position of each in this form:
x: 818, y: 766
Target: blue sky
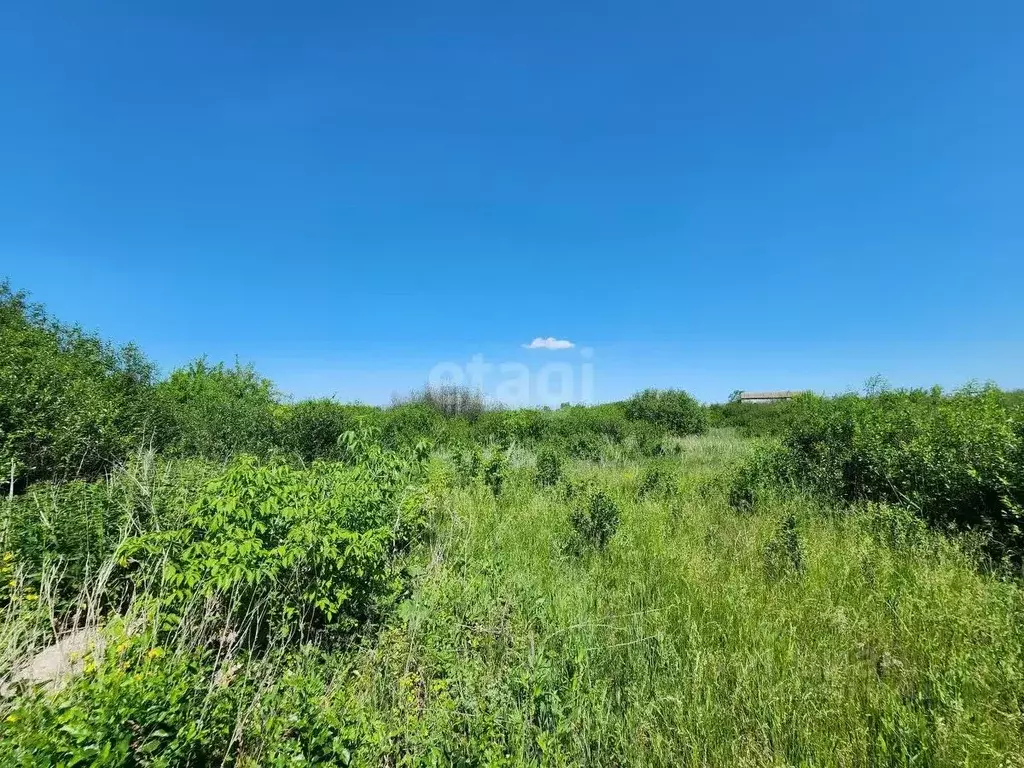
x: 712, y: 196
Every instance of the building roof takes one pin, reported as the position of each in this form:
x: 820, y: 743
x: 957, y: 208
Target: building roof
x: 780, y: 395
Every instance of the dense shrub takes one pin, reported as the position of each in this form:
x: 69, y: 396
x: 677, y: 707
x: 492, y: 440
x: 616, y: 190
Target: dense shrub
x: 494, y: 471
x: 525, y: 426
x: 133, y: 705
x: 784, y: 552
x: 655, y: 481
x: 410, y: 423
x: 673, y: 410
x: 449, y: 400
x: 607, y: 421
x: 953, y: 458
x: 647, y: 439
x: 70, y: 404
x: 311, y: 429
x: 287, y: 551
x: 750, y: 419
x: 594, y: 520
x: 217, y: 412
x: 549, y: 467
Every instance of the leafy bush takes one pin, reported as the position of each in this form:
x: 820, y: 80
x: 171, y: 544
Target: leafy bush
x: 594, y: 521
x: 784, y: 553
x: 655, y: 481
x: 410, y: 423
x: 648, y: 439
x: 217, y: 412
x: 953, y: 458
x: 495, y: 470
x: 303, y: 550
x: 133, y: 705
x: 311, y: 429
x: 549, y: 467
x: 525, y: 426
x: 71, y: 405
x: 607, y: 422
x: 673, y: 410
x: 750, y: 419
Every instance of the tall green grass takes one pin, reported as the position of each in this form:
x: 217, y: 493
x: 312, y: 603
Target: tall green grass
x: 698, y: 635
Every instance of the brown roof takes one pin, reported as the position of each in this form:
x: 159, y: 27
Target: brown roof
x: 781, y: 395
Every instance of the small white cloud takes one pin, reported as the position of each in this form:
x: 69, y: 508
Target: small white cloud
x: 549, y: 343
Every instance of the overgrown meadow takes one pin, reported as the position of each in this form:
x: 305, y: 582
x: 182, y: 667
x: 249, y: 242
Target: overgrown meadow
x: 197, y: 572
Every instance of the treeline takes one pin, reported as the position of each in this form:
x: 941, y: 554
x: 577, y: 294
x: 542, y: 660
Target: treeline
x: 73, y: 405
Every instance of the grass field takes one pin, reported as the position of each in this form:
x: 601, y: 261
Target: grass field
x: 792, y: 634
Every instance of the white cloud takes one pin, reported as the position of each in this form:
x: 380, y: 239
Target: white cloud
x: 549, y: 343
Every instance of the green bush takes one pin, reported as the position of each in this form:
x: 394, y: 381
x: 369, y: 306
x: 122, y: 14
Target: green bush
x: 549, y: 467
x: 673, y: 410
x: 648, y: 439
x: 217, y: 412
x: 410, y: 423
x: 607, y: 422
x: 133, y: 706
x: 952, y: 458
x: 750, y: 419
x: 303, y: 550
x: 311, y: 429
x: 495, y: 469
x: 525, y: 426
x: 71, y: 405
x: 655, y: 481
x: 784, y: 553
x: 594, y: 520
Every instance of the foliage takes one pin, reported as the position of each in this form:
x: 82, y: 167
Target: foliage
x: 525, y: 426
x: 70, y: 404
x: 648, y: 439
x: 288, y: 551
x: 134, y: 705
x: 549, y: 467
x: 594, y: 520
x: 450, y: 401
x: 953, y: 458
x: 410, y: 423
x: 216, y: 412
x: 495, y: 469
x: 784, y: 553
x: 655, y: 481
x: 312, y: 429
x: 750, y: 419
x: 673, y: 410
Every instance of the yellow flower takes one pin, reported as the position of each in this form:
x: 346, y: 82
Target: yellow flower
x: 122, y: 648
x: 154, y: 653
x: 31, y: 597
x: 12, y: 718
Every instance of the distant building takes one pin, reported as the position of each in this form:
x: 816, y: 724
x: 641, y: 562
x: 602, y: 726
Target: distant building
x: 769, y: 397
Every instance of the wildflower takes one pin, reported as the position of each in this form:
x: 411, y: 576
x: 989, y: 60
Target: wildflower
x: 154, y: 653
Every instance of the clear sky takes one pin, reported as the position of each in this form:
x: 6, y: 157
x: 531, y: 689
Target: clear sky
x: 713, y: 196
